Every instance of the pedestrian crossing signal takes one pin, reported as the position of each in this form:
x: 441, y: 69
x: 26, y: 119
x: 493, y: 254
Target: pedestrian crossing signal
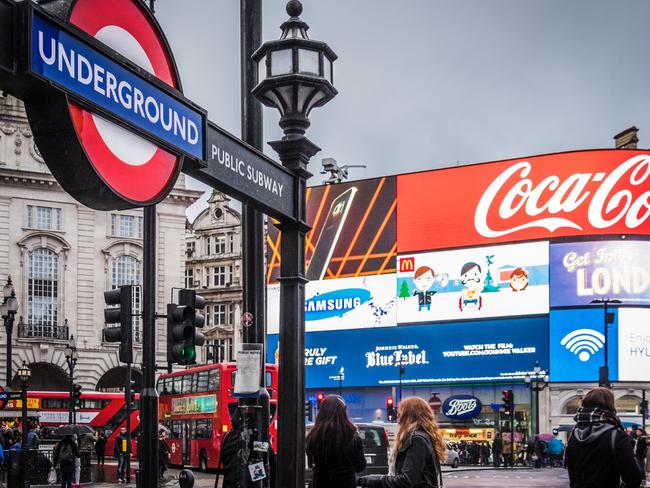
x: 391, y: 412
x: 508, y: 401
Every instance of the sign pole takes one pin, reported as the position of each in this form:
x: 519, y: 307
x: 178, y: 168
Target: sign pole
x: 253, y: 229
x: 128, y: 394
x: 149, y: 395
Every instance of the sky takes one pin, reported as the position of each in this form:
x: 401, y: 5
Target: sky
x: 426, y: 84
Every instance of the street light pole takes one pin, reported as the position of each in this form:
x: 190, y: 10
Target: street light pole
x: 296, y: 77
x: 24, y: 373
x: 8, y: 311
x: 603, y: 379
x: 71, y: 360
x: 536, y: 389
x: 401, y: 373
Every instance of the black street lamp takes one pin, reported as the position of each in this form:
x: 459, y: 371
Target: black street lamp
x: 71, y: 357
x: 8, y: 310
x: 295, y: 75
x: 402, y: 370
x: 603, y: 377
x: 24, y: 373
x: 537, y: 388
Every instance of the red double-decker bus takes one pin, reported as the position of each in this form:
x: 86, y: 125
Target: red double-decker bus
x: 102, y: 411
x: 194, y: 405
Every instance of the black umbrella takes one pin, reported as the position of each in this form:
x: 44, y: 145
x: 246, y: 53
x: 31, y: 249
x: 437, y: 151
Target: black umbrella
x: 74, y: 429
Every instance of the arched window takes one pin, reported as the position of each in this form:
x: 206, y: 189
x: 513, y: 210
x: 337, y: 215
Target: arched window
x: 571, y: 407
x: 126, y: 270
x: 42, y: 293
x: 629, y: 404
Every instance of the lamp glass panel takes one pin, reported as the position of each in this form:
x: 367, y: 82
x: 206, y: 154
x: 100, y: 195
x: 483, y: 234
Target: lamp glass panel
x: 6, y: 290
x: 308, y: 62
x: 281, y: 62
x: 12, y: 304
x: 327, y: 66
x: 4, y: 310
x: 261, y: 69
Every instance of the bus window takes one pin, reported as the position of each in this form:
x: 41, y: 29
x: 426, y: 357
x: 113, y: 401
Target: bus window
x: 176, y: 385
x: 213, y: 382
x: 160, y: 385
x: 175, y: 429
x: 202, y: 429
x: 269, y: 379
x: 194, y: 380
x: 187, y: 384
x: 55, y: 403
x: 202, y: 381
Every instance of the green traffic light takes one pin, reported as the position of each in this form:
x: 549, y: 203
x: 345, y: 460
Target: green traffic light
x: 188, y: 353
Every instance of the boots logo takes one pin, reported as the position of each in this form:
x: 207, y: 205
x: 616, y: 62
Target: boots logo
x: 459, y: 407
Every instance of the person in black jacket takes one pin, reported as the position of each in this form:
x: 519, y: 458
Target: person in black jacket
x: 599, y: 452
x: 419, y: 447
x: 65, y: 454
x: 334, y: 447
x: 229, y: 458
x: 163, y: 454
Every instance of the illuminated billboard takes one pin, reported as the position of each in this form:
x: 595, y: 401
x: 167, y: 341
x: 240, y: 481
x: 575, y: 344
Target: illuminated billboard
x: 494, y: 281
x: 582, y: 271
x: 601, y: 192
x: 353, y: 231
x: 466, y: 352
x: 346, y: 303
x: 634, y: 344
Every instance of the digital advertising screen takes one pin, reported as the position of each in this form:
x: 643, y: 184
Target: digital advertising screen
x: 634, y: 344
x: 346, y: 303
x: 583, y: 271
x: 465, y: 352
x: 353, y: 231
x: 577, y: 344
x: 472, y: 283
x: 581, y: 193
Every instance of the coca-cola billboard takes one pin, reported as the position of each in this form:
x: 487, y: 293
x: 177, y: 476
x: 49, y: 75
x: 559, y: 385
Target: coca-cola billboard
x: 541, y: 197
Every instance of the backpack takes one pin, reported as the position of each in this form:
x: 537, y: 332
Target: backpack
x: 66, y: 456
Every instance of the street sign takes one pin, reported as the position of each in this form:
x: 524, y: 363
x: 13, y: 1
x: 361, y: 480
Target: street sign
x: 3, y: 398
x: 244, y: 172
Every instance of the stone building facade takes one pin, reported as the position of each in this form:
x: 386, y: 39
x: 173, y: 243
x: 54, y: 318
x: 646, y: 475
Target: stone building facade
x: 61, y: 256
x: 214, y: 269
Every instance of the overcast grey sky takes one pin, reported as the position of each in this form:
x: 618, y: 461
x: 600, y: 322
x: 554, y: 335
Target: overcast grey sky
x: 430, y: 83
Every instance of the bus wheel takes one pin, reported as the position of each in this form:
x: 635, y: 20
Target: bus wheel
x: 203, y: 462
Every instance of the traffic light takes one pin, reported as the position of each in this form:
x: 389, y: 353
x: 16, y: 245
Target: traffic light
x: 123, y: 316
x: 183, y: 322
x: 391, y: 413
x: 508, y: 401
x: 129, y: 393
x: 309, y: 410
x: 76, y: 396
x: 644, y: 408
x: 320, y: 397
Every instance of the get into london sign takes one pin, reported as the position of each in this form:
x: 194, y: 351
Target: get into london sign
x: 110, y: 120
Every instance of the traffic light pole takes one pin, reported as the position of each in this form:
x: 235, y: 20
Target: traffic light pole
x: 149, y: 395
x: 128, y: 397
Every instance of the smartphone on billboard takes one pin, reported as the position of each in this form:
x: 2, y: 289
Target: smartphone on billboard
x: 329, y: 236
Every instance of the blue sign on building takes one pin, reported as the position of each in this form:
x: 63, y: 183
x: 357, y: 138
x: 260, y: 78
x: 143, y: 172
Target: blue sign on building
x: 462, y: 352
x: 92, y: 76
x: 577, y: 344
x: 461, y: 407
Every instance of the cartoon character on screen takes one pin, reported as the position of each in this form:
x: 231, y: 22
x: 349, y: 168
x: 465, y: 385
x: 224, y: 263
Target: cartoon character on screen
x: 471, y: 278
x: 423, y: 281
x: 519, y: 280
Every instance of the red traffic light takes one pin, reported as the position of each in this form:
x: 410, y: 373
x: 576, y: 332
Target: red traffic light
x: 319, y: 399
x: 389, y: 401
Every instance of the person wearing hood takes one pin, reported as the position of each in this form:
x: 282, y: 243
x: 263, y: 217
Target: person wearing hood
x: 599, y: 452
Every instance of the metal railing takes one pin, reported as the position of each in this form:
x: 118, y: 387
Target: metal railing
x: 49, y: 331
x: 39, y: 465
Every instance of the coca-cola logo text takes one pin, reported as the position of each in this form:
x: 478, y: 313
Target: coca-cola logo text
x: 551, y: 203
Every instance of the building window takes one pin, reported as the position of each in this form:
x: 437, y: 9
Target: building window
x: 207, y: 316
x: 189, y: 278
x: 220, y: 244
x: 220, y: 350
x: 43, y: 291
x: 45, y: 218
x: 126, y: 271
x: 190, y: 246
x: 231, y: 243
x: 219, y: 314
x: 222, y: 276
x: 208, y: 246
x: 231, y: 314
x: 126, y: 226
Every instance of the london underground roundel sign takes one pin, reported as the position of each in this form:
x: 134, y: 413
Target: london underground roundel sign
x: 102, y: 164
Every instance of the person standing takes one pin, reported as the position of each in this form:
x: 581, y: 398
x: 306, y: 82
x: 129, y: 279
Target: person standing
x: 228, y: 459
x: 507, y: 452
x: 497, y: 449
x: 33, y: 437
x: 100, y: 447
x: 641, y: 448
x: 66, y: 454
x: 419, y: 449
x: 163, y: 454
x: 121, y: 452
x: 334, y: 447
x: 599, y: 452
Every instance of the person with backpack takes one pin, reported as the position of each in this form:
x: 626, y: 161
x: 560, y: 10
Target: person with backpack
x: 497, y: 449
x: 599, y: 452
x: 419, y: 449
x: 641, y: 448
x: 65, y: 455
x: 100, y: 447
x: 334, y: 447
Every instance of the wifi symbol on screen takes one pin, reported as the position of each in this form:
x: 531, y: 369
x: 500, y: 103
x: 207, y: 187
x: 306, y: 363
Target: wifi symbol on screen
x: 584, y: 343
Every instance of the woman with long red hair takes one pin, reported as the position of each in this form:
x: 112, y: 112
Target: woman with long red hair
x: 419, y: 448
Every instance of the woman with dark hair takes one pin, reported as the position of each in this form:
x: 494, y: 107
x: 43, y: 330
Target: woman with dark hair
x: 419, y: 447
x: 334, y: 447
x: 599, y: 452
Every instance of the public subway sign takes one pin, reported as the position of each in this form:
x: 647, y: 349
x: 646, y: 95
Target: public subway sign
x: 103, y: 98
x: 556, y: 195
x: 244, y: 172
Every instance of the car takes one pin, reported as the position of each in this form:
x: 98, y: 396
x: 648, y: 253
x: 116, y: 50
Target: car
x: 453, y: 458
x: 375, y: 449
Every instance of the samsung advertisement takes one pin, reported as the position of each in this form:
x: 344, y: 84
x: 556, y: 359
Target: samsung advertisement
x: 465, y: 352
